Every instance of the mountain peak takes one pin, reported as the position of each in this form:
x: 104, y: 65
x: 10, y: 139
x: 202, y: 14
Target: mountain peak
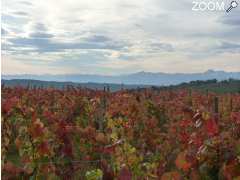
x: 210, y: 71
x: 141, y: 72
x: 213, y: 71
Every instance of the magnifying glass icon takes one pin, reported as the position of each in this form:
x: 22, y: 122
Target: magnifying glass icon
x: 233, y: 4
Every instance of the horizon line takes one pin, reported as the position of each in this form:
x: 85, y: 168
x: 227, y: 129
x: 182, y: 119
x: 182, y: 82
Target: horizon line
x: 100, y: 74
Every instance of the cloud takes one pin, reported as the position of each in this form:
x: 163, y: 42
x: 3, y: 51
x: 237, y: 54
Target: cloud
x: 43, y: 43
x: 27, y: 3
x: 12, y: 66
x: 97, y: 38
x: 162, y: 47
x: 40, y: 35
x: 232, y: 19
x: 21, y: 13
x: 40, y: 27
x: 4, y: 31
x: 229, y: 47
x: 114, y: 36
x: 40, y: 40
x: 13, y: 19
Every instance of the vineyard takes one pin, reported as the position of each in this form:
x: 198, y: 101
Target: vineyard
x: 142, y: 134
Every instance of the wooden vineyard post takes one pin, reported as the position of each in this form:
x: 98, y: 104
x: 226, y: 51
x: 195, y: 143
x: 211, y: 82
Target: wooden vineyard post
x: 216, y: 109
x: 103, y: 107
x: 190, y: 92
x: 208, y: 100
x: 122, y: 87
x: 231, y: 104
x: 190, y: 103
x: 28, y: 86
x: 216, y: 105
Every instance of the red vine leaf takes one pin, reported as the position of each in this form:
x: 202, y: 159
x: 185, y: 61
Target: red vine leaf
x: 181, y: 162
x: 173, y: 175
x: 212, y: 127
x: 43, y: 148
x: 125, y: 174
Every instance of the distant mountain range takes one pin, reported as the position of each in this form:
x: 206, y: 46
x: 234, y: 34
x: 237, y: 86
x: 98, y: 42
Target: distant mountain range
x: 226, y: 86
x: 61, y: 85
x: 140, y: 78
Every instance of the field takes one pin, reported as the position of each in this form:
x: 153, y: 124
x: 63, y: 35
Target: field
x: 129, y: 134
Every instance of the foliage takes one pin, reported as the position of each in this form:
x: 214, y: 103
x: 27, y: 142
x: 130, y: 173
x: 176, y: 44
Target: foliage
x: 95, y: 174
x: 143, y: 134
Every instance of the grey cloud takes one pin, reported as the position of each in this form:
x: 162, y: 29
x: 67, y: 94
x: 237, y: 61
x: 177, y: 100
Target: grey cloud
x: 12, y: 19
x: 222, y: 47
x: 20, y: 13
x: 24, y: 42
x: 25, y: 3
x: 162, y: 46
x: 97, y: 38
x: 90, y: 58
x: 230, y: 33
x: 129, y: 57
x: 9, y: 18
x: 152, y: 48
x: 48, y: 45
x: 4, y: 31
x: 40, y: 35
x: 39, y: 27
x: 232, y: 20
x: 229, y: 47
x: 39, y: 31
x: 43, y: 41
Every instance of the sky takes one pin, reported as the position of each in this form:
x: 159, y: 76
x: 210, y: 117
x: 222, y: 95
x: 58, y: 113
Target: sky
x: 117, y: 37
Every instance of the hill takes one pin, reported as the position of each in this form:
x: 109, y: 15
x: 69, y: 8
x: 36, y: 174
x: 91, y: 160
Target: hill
x: 226, y: 86
x: 61, y: 85
x: 145, y: 78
